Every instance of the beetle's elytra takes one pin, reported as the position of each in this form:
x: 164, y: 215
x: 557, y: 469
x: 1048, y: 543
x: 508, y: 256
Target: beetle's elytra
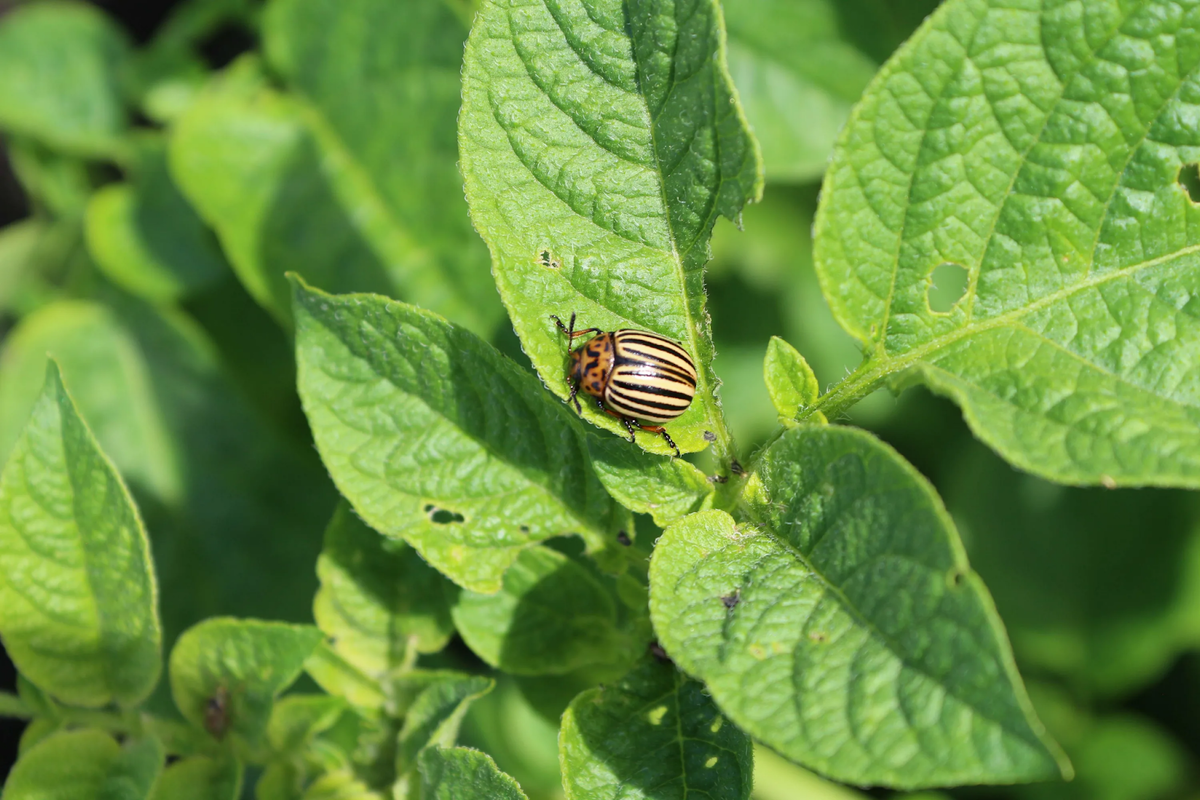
x: 634, y: 375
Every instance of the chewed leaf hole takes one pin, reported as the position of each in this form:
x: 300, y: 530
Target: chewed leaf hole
x: 441, y: 516
x: 1189, y: 179
x: 947, y: 285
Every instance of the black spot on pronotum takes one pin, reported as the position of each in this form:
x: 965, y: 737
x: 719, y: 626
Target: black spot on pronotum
x: 441, y: 516
x: 732, y: 599
x: 947, y: 285
x: 623, y: 538
x: 1189, y: 179
x: 709, y: 436
x: 655, y: 649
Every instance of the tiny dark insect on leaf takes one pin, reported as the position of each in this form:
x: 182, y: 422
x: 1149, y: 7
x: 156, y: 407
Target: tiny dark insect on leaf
x: 655, y: 649
x: 623, y: 538
x: 732, y: 599
x: 217, y: 713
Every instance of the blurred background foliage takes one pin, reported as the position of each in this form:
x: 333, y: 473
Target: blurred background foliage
x: 161, y: 300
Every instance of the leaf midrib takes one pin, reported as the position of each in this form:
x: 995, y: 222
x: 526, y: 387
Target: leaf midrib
x: 585, y: 521
x: 854, y: 611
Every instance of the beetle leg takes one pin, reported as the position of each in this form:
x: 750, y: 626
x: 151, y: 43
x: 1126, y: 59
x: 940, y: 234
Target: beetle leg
x: 570, y: 331
x: 629, y: 426
x: 574, y: 397
x: 661, y: 430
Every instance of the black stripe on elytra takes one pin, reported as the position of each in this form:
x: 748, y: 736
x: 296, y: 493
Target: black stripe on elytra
x: 653, y: 369
x: 658, y: 391
x: 669, y: 348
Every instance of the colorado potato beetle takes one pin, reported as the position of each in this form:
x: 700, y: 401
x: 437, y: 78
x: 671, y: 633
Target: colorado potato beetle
x: 634, y: 375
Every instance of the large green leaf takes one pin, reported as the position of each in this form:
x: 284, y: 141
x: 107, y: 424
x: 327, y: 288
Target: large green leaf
x: 85, y: 765
x: 234, y: 512
x: 1099, y: 587
x: 236, y: 668
x: 433, y: 720
x: 1037, y: 148
x: 459, y: 773
x: 655, y: 735
x: 356, y: 190
x: 844, y: 628
x: 60, y: 72
x: 600, y: 142
x: 78, y: 598
x: 797, y: 76
x: 436, y: 438
x: 200, y: 778
x: 551, y: 616
x: 145, y: 236
x: 378, y: 600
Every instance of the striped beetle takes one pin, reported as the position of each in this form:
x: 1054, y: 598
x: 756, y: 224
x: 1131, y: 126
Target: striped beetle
x: 634, y: 375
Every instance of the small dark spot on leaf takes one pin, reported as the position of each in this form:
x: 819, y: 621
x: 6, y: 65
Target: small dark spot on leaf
x: 623, y: 538
x: 820, y: 637
x: 735, y: 467
x: 718, y: 479
x: 524, y: 529
x: 709, y: 436
x: 947, y: 285
x: 954, y: 578
x: 732, y: 599
x: 655, y: 649
x: 1189, y: 179
x: 441, y: 516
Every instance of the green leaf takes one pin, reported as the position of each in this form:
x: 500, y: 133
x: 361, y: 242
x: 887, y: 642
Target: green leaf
x: 436, y: 438
x: 797, y: 76
x: 397, y: 130
x: 235, y: 512
x: 85, y: 765
x: 433, y: 720
x: 844, y: 628
x: 460, y: 773
x: 245, y: 662
x: 78, y: 598
x: 506, y: 725
x: 609, y: 138
x: 60, y: 66
x: 655, y: 734
x: 1080, y: 596
x: 57, y: 184
x: 146, y: 238
x: 354, y: 190
x: 340, y: 678
x: 790, y: 381
x: 378, y: 598
x: 296, y: 719
x: 776, y: 778
x: 666, y: 489
x: 200, y: 778
x: 550, y: 617
x: 1025, y: 147
x: 340, y: 786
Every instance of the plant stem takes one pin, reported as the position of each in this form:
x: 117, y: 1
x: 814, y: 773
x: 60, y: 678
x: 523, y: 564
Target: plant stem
x: 13, y: 706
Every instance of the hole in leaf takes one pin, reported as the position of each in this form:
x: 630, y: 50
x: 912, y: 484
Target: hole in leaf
x: 441, y: 516
x: 1189, y: 179
x: 947, y: 284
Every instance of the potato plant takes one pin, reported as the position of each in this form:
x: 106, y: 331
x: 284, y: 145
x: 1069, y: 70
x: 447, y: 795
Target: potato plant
x: 294, y: 505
